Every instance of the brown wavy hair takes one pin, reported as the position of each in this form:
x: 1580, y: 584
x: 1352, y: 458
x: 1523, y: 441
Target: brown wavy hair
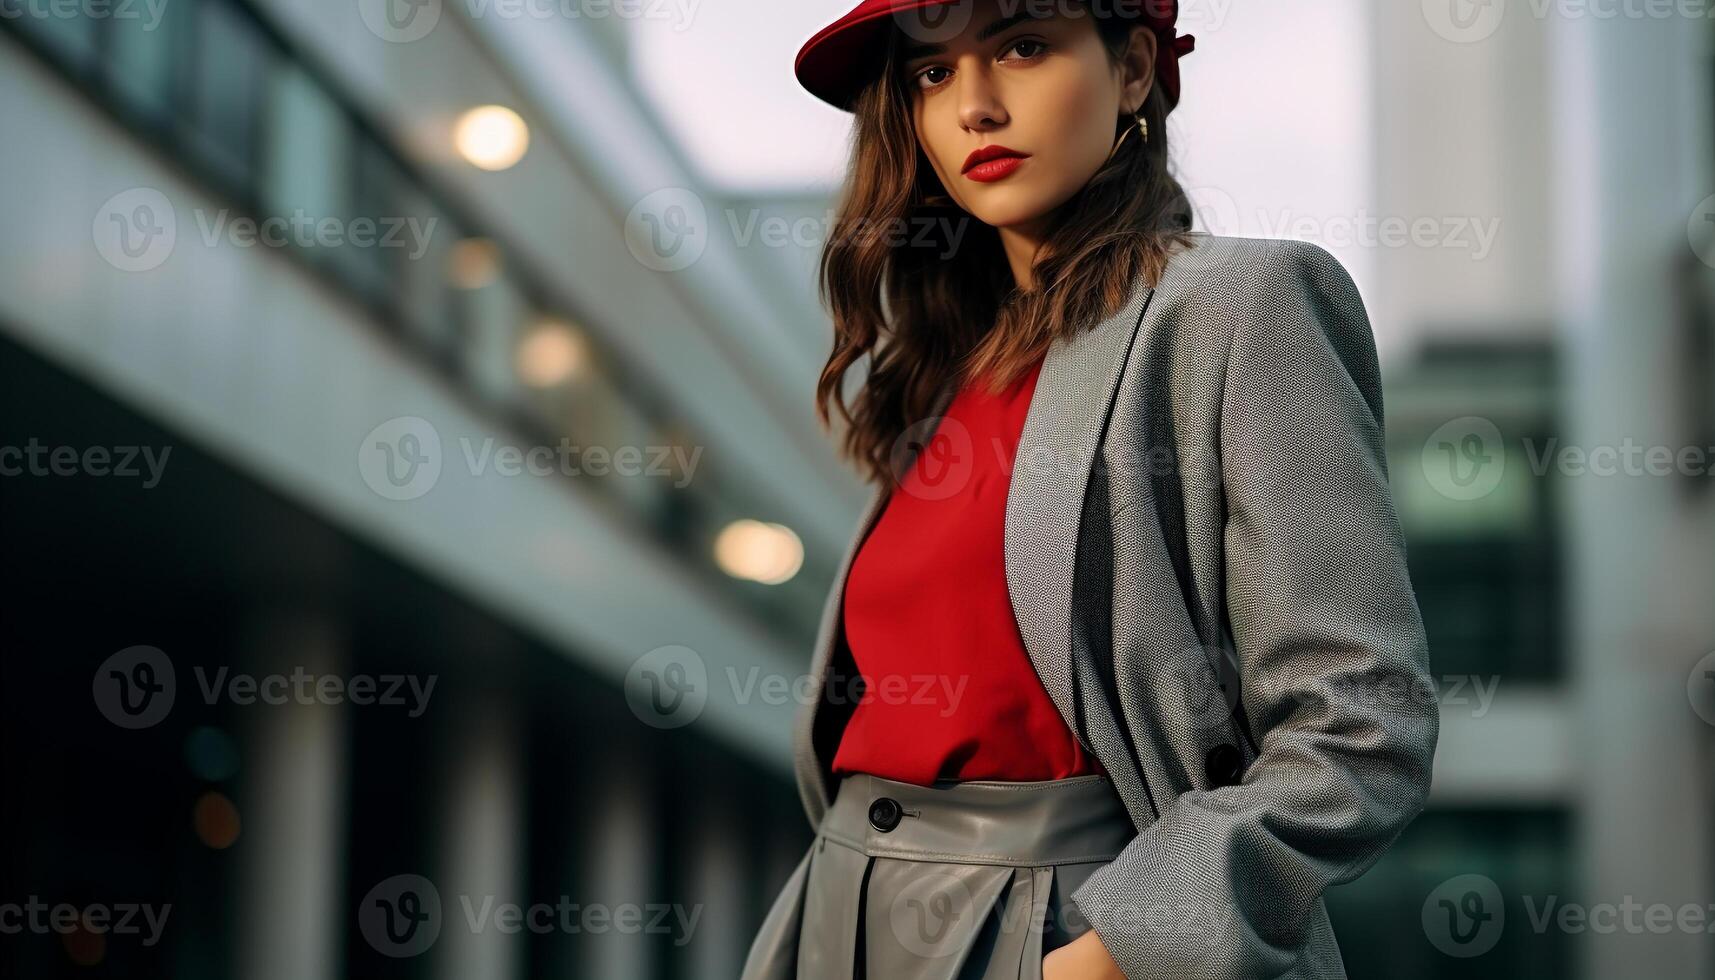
x: 933, y: 307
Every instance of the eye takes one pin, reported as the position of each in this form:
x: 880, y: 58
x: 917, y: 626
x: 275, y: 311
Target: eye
x: 924, y: 81
x: 1029, y: 48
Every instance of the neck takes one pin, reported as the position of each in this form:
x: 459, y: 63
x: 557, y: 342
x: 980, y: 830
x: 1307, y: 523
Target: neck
x: 1020, y: 243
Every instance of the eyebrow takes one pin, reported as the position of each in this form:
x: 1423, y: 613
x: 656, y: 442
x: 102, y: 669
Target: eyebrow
x: 913, y: 51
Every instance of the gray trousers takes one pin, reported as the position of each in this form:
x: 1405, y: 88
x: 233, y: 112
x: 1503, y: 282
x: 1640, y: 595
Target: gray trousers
x: 960, y: 880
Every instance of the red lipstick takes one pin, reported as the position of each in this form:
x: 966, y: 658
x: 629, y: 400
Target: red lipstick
x: 990, y: 163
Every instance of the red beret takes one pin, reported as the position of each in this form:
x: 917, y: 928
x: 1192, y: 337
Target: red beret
x: 838, y: 61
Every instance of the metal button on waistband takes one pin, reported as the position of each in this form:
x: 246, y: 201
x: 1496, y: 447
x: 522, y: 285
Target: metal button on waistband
x: 884, y: 813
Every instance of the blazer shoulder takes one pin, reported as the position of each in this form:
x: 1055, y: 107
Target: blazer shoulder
x: 1230, y: 268
x: 1221, y: 283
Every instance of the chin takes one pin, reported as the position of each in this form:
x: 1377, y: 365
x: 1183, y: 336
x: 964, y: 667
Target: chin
x: 1008, y: 210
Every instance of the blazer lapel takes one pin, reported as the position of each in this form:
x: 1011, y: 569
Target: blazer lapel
x: 1062, y: 431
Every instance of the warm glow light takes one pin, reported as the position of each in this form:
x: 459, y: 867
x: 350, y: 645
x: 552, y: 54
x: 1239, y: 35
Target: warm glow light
x: 759, y: 551
x: 550, y: 353
x: 474, y: 263
x: 85, y: 945
x: 215, y: 820
x: 492, y: 137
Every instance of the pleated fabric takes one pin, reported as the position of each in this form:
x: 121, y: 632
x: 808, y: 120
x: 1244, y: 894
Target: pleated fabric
x: 973, y: 881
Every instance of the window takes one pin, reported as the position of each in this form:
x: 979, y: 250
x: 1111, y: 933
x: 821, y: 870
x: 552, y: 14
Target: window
x: 66, y: 32
x: 143, y: 54
x: 231, y: 60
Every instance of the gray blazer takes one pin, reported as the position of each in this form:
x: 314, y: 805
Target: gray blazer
x: 1210, y: 580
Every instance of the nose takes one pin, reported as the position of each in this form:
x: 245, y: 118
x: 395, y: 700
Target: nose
x: 980, y: 107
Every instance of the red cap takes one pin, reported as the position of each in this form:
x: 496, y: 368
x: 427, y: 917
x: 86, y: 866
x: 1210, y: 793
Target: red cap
x: 837, y: 62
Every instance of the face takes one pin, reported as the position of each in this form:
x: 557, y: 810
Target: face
x: 1041, y: 87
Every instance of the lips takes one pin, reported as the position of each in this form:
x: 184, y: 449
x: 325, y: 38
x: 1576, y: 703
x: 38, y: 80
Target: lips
x: 992, y: 162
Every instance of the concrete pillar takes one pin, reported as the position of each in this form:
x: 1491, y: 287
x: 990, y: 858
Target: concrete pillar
x: 712, y: 900
x: 482, y: 847
x: 292, y: 805
x: 620, y: 852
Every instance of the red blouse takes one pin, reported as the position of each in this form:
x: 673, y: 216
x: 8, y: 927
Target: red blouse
x: 949, y: 691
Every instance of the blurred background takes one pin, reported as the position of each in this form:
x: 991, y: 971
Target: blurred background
x: 414, y: 525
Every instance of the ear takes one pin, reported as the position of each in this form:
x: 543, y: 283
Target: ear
x: 1137, y: 68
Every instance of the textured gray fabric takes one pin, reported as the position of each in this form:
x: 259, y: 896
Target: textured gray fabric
x: 1199, y: 521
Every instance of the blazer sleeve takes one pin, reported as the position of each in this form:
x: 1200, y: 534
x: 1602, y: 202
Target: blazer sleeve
x: 1332, y: 658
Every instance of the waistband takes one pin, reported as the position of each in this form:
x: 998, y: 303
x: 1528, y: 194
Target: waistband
x: 1018, y: 824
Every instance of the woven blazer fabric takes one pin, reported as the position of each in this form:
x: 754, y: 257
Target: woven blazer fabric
x: 1210, y: 580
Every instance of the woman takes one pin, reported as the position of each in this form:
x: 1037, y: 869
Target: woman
x: 1122, y: 668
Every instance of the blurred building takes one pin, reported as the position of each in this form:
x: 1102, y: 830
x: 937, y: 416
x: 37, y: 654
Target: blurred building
x: 420, y: 417
x: 336, y: 445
